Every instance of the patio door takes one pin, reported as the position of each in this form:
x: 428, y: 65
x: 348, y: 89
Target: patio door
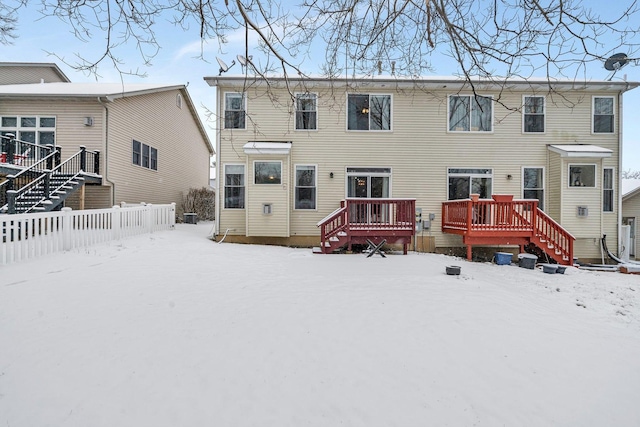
x: 369, y: 183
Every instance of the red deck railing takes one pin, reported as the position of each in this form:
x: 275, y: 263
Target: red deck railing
x: 489, y: 215
x: 487, y: 218
x: 392, y: 219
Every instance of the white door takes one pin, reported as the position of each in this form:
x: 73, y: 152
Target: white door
x: 631, y: 222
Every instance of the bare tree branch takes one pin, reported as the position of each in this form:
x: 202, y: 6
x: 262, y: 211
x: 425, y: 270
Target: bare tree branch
x: 487, y: 38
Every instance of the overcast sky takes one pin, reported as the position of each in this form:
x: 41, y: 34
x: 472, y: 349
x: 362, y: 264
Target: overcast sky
x: 178, y: 63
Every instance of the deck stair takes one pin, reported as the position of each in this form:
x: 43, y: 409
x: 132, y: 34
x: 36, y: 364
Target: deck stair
x: 507, y: 222
x: 46, y: 184
x: 360, y: 219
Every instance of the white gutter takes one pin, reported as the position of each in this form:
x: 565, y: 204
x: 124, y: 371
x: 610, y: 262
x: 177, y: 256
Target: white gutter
x: 105, y: 139
x: 219, y: 168
x: 619, y: 194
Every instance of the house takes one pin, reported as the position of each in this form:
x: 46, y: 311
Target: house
x: 631, y: 213
x: 30, y: 72
x: 313, y: 161
x: 146, y: 142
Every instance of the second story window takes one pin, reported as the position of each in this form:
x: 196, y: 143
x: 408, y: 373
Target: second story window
x: 306, y: 111
x: 369, y: 112
x: 533, y: 114
x: 603, y: 114
x: 234, y: 110
x: 469, y: 113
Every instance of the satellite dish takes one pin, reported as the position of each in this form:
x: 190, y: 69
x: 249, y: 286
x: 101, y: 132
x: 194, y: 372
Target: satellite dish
x: 244, y: 60
x: 223, y: 66
x: 616, y: 61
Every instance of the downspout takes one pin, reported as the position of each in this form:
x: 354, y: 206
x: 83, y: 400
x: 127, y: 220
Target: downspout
x: 619, y: 180
x: 105, y: 120
x: 218, y: 165
x: 602, y: 233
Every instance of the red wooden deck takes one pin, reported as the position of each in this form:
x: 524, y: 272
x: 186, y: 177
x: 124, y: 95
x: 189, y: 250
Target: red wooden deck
x: 509, y: 222
x: 359, y: 219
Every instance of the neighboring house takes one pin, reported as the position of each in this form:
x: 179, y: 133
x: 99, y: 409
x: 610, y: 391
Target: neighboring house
x: 30, y: 72
x: 152, y: 145
x: 631, y: 213
x: 296, y: 153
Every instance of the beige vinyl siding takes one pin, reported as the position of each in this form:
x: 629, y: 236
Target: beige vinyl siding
x: 23, y: 74
x: 555, y: 186
x: 183, y: 158
x: 419, y: 149
x: 71, y: 132
x: 590, y: 197
x: 95, y: 197
x: 275, y: 224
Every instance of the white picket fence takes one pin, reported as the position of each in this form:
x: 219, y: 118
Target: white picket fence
x: 27, y: 236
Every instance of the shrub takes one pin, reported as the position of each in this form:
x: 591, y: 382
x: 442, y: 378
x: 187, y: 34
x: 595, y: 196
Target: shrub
x: 200, y: 201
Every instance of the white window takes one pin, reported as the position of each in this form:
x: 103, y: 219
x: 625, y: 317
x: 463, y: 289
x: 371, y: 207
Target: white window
x: 607, y: 190
x: 582, y: 175
x: 533, y: 185
x: 468, y: 113
x: 603, y: 114
x: 369, y: 112
x: 268, y: 172
x: 34, y: 129
x: 534, y: 114
x: 306, y: 111
x: 234, y: 110
x: 463, y: 182
x: 144, y: 155
x: 234, y: 186
x: 305, y: 188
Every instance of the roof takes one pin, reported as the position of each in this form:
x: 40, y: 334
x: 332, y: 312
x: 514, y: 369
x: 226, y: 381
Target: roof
x: 83, y: 90
x: 108, y: 91
x: 271, y: 147
x: 434, y: 82
x: 630, y: 188
x: 581, y: 150
x: 50, y: 65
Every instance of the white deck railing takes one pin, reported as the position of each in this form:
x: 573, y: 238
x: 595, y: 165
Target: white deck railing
x: 27, y: 236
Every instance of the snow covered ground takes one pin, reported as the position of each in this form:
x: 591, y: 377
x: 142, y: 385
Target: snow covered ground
x: 171, y: 329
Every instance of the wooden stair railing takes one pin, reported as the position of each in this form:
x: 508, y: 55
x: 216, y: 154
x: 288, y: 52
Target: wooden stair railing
x: 359, y: 220
x: 491, y: 222
x: 331, y: 227
x: 555, y: 237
